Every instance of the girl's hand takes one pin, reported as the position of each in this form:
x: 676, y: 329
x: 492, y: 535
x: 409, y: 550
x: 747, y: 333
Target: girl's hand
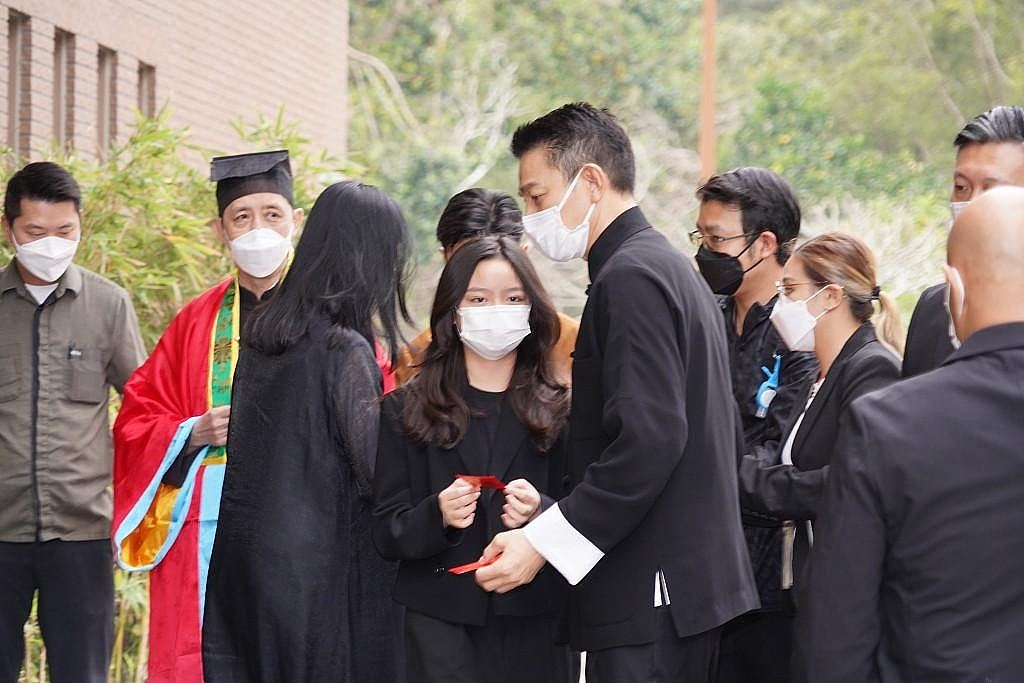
x: 522, y: 503
x: 458, y: 504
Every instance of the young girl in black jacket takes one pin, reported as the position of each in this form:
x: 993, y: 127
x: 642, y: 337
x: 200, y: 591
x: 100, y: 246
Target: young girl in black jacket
x: 484, y: 403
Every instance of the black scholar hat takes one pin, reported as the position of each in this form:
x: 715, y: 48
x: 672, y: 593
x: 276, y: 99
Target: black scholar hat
x: 243, y: 174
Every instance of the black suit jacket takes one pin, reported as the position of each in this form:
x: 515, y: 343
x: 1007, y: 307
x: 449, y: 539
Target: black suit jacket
x: 928, y: 342
x: 652, y: 446
x: 795, y: 492
x: 917, y: 572
x: 408, y: 525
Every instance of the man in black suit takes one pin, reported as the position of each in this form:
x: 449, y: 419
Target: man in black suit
x: 990, y: 152
x: 650, y: 537
x: 916, y: 570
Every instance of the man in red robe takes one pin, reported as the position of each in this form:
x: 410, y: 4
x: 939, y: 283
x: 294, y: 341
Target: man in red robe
x: 172, y: 428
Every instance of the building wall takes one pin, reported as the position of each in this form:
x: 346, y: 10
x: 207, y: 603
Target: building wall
x: 215, y: 61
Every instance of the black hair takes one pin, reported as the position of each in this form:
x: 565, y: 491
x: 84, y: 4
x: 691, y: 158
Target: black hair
x: 349, y: 265
x: 477, y: 212
x: 42, y: 181
x: 434, y: 410
x: 999, y: 124
x: 577, y: 134
x: 766, y: 201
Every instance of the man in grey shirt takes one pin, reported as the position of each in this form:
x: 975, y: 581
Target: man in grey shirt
x: 67, y: 336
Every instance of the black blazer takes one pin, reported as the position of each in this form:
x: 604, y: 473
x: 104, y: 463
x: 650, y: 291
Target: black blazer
x: 408, y: 526
x: 928, y: 342
x: 795, y: 492
x: 916, y: 573
x: 653, y: 434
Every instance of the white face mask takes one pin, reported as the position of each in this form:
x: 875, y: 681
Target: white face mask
x: 553, y: 238
x: 794, y: 323
x: 955, y: 208
x: 493, y: 332
x: 46, y: 258
x: 260, y: 251
x: 953, y: 339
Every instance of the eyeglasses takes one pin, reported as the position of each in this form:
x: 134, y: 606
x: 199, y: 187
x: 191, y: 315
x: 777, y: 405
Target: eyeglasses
x: 786, y: 288
x: 697, y: 238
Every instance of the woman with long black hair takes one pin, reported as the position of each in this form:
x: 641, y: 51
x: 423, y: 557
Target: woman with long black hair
x: 484, y: 403
x: 296, y: 591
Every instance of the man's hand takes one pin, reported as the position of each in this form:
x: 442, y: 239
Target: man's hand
x: 517, y: 566
x: 211, y: 429
x: 522, y: 503
x: 458, y: 504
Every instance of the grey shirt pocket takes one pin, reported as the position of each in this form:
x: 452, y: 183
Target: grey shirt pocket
x: 87, y: 381
x: 10, y: 372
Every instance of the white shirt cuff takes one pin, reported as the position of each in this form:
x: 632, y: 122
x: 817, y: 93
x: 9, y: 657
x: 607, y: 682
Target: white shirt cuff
x: 661, y: 597
x: 565, y: 548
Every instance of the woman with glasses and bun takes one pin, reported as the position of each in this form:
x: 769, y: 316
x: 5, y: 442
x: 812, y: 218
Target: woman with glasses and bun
x: 485, y: 404
x: 827, y: 302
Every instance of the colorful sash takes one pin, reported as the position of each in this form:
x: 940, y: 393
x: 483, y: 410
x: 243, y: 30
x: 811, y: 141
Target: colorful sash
x: 223, y: 358
x: 154, y: 522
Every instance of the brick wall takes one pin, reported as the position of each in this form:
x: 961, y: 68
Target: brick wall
x: 215, y: 61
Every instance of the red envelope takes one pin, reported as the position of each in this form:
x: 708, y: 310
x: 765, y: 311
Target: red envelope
x: 486, y: 481
x: 473, y: 566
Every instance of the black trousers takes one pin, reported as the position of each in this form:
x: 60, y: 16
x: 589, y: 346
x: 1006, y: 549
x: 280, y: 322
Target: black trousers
x: 75, y: 580
x: 756, y: 648
x: 506, y: 650
x: 669, y: 659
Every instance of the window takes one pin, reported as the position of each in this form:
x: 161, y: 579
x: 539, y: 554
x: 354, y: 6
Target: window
x: 106, y: 113
x: 63, y: 88
x: 147, y: 90
x: 19, y: 62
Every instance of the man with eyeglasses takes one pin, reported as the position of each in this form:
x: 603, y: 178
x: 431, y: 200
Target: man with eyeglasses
x: 748, y: 223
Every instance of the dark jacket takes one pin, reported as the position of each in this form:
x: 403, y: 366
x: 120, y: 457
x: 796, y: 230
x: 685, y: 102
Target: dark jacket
x: 750, y: 352
x: 917, y: 568
x: 653, y: 446
x: 928, y: 342
x: 794, y: 492
x: 408, y: 525
x: 294, y: 579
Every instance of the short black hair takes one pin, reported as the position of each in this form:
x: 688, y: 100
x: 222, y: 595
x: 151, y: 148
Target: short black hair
x: 766, y: 201
x: 477, y: 212
x: 998, y: 124
x: 40, y: 181
x: 577, y: 134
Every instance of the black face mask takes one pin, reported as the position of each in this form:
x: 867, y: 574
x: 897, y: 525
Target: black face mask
x: 723, y: 273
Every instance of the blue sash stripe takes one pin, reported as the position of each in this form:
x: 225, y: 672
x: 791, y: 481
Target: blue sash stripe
x: 179, y: 512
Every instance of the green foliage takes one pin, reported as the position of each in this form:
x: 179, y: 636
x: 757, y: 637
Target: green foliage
x: 854, y: 101
x: 464, y: 73
x: 312, y: 169
x: 903, y: 74
x: 144, y: 220
x: 790, y: 130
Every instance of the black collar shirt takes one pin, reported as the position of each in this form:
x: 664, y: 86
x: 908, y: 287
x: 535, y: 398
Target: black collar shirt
x: 753, y: 355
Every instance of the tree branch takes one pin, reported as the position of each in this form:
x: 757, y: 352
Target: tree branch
x: 397, y: 97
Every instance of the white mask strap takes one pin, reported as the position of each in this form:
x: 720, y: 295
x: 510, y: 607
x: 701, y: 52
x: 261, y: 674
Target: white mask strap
x: 568, y: 190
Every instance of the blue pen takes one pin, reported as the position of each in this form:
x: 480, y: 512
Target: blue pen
x: 768, y: 389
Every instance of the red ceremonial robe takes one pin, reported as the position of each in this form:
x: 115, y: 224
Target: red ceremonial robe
x: 167, y: 530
